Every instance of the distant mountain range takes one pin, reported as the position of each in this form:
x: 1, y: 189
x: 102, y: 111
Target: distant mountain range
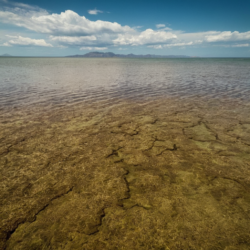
x: 113, y: 55
x: 110, y: 55
x: 6, y: 55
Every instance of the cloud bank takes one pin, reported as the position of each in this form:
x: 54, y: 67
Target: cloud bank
x: 69, y: 29
x: 26, y: 41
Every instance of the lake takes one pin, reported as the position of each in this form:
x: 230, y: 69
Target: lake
x: 124, y: 153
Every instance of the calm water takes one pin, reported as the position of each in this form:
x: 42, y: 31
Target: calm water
x: 165, y: 173
x: 29, y: 81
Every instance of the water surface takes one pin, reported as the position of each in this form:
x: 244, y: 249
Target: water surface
x: 124, y: 154
x: 26, y: 81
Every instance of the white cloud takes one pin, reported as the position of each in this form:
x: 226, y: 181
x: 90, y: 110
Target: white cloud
x: 20, y: 7
x: 178, y: 44
x: 94, y: 12
x: 137, y: 27
x: 73, y: 40
x: 155, y: 46
x: 170, y: 45
x: 62, y: 46
x: 68, y: 23
x: 148, y: 36
x: 166, y: 28
x: 70, y: 29
x: 233, y: 45
x: 160, y: 25
x: 222, y: 37
x: 228, y: 36
x: 26, y: 41
x: 5, y: 44
x: 102, y: 40
x: 93, y: 48
x: 241, y: 45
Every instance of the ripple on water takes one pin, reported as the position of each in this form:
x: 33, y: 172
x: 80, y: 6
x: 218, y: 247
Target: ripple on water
x: 27, y: 81
x: 109, y: 158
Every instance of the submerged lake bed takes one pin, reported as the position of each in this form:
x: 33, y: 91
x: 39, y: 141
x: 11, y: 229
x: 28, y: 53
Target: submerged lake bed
x: 124, y: 153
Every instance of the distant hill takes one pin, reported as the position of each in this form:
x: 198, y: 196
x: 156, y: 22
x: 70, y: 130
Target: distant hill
x: 6, y: 55
x: 111, y: 55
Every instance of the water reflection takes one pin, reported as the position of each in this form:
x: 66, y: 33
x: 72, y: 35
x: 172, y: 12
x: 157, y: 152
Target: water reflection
x: 26, y: 81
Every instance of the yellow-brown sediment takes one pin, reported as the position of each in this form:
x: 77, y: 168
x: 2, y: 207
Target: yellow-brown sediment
x: 161, y: 174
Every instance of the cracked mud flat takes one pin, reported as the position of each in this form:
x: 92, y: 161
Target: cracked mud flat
x: 158, y: 174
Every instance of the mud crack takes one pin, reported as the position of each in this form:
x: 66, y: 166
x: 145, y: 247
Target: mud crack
x: 174, y: 149
x: 114, y: 152
x: 9, y: 234
x: 162, y: 146
x: 127, y: 185
x: 102, y: 215
x: 128, y: 195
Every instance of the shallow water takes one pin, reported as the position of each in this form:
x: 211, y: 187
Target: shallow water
x: 124, y: 154
x: 28, y: 81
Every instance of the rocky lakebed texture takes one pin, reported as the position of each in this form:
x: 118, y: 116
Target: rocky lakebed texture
x: 155, y: 174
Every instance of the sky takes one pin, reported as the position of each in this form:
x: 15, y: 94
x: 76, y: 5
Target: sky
x: 203, y: 28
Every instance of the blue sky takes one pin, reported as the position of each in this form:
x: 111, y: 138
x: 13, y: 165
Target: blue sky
x: 177, y: 27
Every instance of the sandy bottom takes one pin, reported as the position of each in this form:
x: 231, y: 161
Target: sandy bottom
x: 158, y: 174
